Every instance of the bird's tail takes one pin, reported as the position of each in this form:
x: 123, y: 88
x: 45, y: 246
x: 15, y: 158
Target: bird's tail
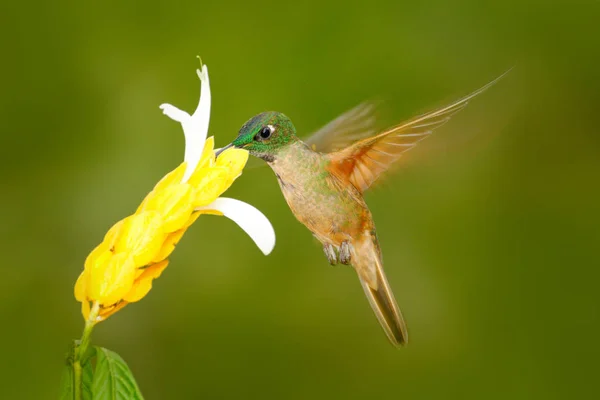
x: 384, y: 305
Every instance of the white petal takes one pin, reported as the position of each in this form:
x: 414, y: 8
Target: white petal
x: 195, y: 127
x: 205, y: 97
x: 249, y: 218
x: 174, y: 113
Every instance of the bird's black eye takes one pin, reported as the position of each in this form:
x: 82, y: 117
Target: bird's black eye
x: 265, y: 132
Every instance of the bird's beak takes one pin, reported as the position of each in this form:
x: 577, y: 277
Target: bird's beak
x: 223, y: 149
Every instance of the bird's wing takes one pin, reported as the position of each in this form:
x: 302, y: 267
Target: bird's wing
x: 364, y: 161
x: 355, y: 124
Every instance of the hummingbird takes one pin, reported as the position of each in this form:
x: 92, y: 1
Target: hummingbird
x: 324, y: 178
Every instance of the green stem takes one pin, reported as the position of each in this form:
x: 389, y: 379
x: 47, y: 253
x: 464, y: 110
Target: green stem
x: 82, y: 348
x: 77, y: 378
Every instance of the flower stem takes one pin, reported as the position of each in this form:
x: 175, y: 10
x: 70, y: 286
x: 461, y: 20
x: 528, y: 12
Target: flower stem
x: 81, y: 349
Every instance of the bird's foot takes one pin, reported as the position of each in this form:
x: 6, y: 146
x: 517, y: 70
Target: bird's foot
x: 345, y: 252
x: 330, y: 253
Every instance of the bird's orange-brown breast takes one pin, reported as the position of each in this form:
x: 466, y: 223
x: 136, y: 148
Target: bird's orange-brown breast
x: 332, y: 209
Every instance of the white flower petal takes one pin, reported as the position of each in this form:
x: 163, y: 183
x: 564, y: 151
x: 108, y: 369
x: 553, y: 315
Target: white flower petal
x: 249, y: 218
x: 203, y: 109
x: 195, y: 127
x: 175, y: 113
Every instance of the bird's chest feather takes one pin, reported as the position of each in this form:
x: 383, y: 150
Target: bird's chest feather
x: 330, y: 209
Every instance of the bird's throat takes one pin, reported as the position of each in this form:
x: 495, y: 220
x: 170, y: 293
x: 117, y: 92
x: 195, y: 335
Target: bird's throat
x: 266, y: 157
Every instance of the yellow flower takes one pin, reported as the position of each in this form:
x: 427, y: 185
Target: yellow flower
x: 135, y: 251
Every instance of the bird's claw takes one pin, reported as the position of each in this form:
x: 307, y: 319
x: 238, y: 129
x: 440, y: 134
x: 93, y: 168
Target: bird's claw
x: 345, y: 252
x: 330, y: 253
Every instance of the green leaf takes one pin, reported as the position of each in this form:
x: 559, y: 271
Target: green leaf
x: 87, y: 375
x: 66, y: 383
x: 112, y: 379
x: 67, y: 389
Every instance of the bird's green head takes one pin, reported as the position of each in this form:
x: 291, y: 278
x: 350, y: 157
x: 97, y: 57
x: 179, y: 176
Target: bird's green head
x: 265, y: 134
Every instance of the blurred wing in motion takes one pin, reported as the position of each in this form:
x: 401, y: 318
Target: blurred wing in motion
x: 355, y: 124
x: 364, y: 161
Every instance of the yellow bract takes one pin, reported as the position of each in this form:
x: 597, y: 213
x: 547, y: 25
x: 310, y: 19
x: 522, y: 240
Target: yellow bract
x: 134, y: 252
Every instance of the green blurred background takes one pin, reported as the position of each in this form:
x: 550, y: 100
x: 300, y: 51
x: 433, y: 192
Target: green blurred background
x: 490, y: 231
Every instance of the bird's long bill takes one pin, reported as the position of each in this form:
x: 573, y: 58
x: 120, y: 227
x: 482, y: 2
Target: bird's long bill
x: 222, y: 149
